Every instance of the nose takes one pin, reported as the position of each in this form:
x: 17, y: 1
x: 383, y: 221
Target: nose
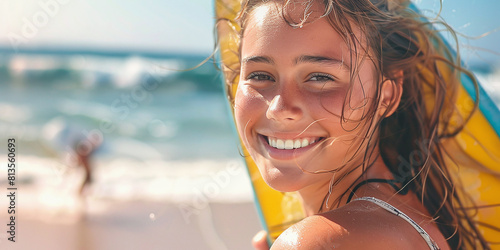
x: 284, y: 107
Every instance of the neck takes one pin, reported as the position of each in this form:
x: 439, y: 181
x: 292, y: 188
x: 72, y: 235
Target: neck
x: 313, y: 197
x: 320, y: 196
x: 311, y: 201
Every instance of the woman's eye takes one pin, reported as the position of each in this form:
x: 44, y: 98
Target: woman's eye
x: 321, y: 77
x: 260, y: 76
x: 322, y: 82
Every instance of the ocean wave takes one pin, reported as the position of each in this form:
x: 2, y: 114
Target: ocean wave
x: 96, y: 71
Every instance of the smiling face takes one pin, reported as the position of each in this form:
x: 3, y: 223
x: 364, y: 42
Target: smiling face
x: 290, y: 97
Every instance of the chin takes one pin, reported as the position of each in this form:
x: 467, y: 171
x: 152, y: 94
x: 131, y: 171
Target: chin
x: 283, y: 179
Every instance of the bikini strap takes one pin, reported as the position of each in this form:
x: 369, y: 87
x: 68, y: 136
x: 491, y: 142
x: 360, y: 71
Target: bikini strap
x: 390, y: 182
x: 432, y: 245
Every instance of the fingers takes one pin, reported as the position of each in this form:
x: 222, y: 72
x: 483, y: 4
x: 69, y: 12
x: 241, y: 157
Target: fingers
x: 259, y: 241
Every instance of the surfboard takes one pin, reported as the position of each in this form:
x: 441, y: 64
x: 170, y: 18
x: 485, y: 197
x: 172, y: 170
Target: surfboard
x: 480, y: 139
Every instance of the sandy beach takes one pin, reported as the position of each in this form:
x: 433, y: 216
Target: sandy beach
x: 127, y: 215
x: 139, y: 225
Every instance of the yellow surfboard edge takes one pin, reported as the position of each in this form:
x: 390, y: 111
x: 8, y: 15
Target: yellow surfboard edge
x: 480, y: 139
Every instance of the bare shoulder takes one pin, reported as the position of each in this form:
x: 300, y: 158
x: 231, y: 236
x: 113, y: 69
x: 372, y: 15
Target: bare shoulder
x: 358, y: 225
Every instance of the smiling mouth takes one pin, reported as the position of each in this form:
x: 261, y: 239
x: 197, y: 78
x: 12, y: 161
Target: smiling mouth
x: 288, y: 144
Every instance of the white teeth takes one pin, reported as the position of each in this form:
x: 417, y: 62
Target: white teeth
x: 305, y: 143
x: 290, y: 144
x: 280, y: 144
x: 272, y: 141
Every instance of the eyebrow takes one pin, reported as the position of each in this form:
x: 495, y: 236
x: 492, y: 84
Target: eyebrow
x: 258, y: 59
x: 301, y: 59
x: 321, y: 60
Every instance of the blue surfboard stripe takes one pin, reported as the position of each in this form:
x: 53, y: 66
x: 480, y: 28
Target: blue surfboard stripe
x: 486, y: 104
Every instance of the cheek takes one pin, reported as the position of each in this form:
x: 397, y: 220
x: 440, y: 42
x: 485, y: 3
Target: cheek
x: 350, y: 105
x: 332, y: 104
x: 359, y: 100
x: 248, y: 107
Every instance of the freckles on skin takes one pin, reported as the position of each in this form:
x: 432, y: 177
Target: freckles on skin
x: 247, y: 100
x: 269, y: 28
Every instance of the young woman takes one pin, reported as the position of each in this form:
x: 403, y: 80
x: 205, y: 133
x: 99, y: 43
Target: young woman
x: 343, y: 102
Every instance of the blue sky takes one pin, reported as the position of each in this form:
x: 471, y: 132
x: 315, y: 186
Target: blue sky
x: 471, y: 18
x: 183, y: 25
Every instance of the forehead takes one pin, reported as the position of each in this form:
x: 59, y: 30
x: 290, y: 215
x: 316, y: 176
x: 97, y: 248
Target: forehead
x: 267, y: 31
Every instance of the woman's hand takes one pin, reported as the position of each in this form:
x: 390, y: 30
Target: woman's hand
x: 259, y: 241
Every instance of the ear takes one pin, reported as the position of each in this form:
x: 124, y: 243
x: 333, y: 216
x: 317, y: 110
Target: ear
x: 390, y: 95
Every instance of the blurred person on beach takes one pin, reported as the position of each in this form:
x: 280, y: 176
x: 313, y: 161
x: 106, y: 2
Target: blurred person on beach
x: 332, y: 102
x: 73, y: 145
